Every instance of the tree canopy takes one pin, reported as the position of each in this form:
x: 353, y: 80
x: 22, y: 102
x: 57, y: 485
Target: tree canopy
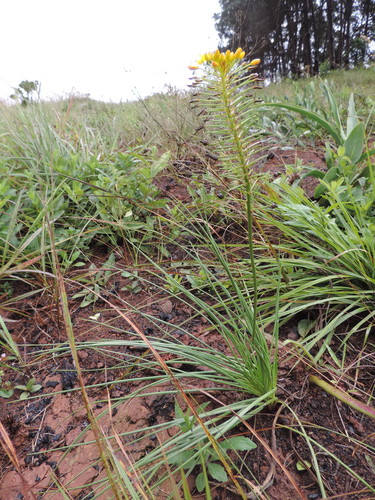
x: 294, y: 37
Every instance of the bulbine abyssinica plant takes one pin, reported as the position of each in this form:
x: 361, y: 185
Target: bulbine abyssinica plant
x: 223, y: 91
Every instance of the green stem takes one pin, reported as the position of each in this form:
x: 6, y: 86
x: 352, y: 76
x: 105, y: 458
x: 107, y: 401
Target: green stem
x: 343, y: 396
x: 231, y: 114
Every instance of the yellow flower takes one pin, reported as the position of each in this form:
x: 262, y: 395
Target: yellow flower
x: 255, y: 62
x: 222, y: 60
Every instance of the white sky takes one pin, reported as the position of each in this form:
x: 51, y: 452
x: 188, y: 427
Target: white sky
x: 111, y: 49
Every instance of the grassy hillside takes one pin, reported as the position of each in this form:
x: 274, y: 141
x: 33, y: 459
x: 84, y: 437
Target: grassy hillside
x: 187, y: 292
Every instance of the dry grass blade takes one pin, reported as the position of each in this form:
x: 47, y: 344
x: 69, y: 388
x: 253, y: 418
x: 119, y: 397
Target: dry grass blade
x: 103, y: 450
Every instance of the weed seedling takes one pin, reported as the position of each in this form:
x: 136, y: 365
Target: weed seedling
x: 205, y: 456
x: 6, y: 390
x: 95, y: 282
x: 28, y: 389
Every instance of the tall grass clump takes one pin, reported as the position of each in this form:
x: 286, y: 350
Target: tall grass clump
x: 327, y: 242
x: 328, y: 254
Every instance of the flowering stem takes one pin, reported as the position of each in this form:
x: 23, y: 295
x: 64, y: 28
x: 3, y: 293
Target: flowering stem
x: 234, y: 127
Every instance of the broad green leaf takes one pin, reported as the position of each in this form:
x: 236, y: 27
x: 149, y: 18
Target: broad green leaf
x: 183, y: 457
x: 75, y: 255
x: 30, y: 384
x: 318, y: 174
x: 366, y: 155
x: 155, y: 203
x: 334, y: 109
x: 217, y: 471
x: 87, y: 301
x: 200, y: 482
x: 36, y: 388
x: 240, y: 443
x: 304, y: 326
x: 21, y: 387
x: 352, y: 120
x: 125, y: 274
x: 330, y: 176
x: 329, y: 156
x: 6, y: 393
x: 355, y: 142
x: 311, y: 115
x: 159, y: 164
x: 300, y: 466
x: 177, y: 409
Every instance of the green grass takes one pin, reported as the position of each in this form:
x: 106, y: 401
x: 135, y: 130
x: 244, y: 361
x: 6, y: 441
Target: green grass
x: 94, y: 128
x: 358, y: 80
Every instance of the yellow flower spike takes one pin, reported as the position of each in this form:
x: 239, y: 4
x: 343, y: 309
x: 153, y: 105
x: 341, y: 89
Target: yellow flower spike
x: 254, y: 62
x: 223, y: 60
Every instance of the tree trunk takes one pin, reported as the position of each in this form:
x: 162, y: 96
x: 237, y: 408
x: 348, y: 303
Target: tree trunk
x: 330, y: 37
x: 315, y: 68
x: 347, y: 32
